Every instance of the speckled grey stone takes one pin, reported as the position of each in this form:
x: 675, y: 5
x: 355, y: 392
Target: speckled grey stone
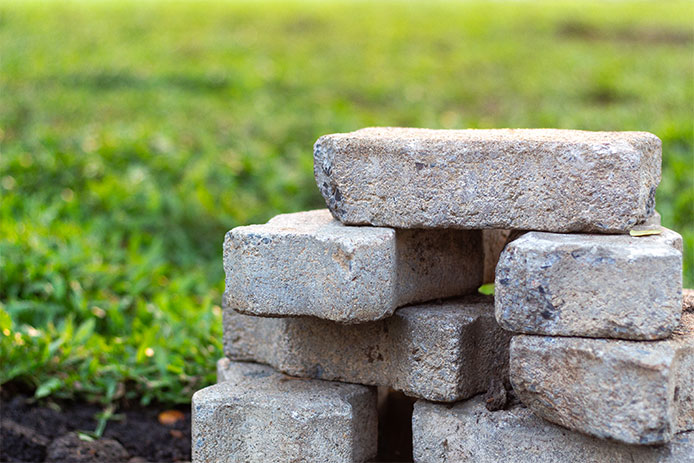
x: 469, y: 433
x: 668, y: 236
x: 442, y: 352
x: 255, y: 414
x: 652, y: 222
x: 672, y: 238
x: 528, y: 179
x: 606, y: 286
x: 637, y: 392
x: 307, y: 263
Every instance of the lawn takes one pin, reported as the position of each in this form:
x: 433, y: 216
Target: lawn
x: 134, y: 134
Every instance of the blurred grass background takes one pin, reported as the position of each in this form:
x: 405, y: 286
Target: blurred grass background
x: 135, y: 134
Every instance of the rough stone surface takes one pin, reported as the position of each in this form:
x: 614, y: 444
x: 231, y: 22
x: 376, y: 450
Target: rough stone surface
x: 607, y: 286
x: 307, y: 263
x: 439, y: 351
x: 468, y: 433
x: 493, y: 242
x: 635, y: 392
x: 528, y: 179
x: 670, y: 237
x: 651, y: 223
x: 255, y: 414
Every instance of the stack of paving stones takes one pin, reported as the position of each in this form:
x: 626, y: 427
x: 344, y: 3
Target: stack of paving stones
x: 584, y: 354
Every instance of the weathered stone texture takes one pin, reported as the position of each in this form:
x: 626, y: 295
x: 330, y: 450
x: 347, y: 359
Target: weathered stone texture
x: 635, y: 392
x: 307, y: 263
x: 528, y: 179
x: 608, y: 286
x: 258, y: 415
x: 668, y: 236
x: 469, y: 433
x: 651, y: 223
x: 671, y: 237
x: 441, y: 352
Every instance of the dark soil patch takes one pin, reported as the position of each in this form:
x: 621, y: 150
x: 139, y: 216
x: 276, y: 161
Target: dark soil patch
x: 634, y: 35
x: 71, y: 447
x: 688, y: 300
x: 395, y: 427
x: 29, y: 430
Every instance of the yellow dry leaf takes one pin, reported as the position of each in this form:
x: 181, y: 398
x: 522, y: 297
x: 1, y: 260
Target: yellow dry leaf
x: 653, y: 231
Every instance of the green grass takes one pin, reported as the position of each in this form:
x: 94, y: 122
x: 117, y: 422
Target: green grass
x: 135, y: 134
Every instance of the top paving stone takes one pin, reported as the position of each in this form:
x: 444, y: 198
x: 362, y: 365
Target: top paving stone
x: 526, y: 179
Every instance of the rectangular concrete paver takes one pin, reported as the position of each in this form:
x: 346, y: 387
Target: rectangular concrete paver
x: 441, y: 352
x: 258, y: 415
x: 469, y: 433
x: 635, y: 392
x: 307, y: 263
x: 527, y: 179
x: 605, y: 286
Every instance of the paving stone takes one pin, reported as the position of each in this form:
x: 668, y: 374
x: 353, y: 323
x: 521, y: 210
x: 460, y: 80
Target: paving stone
x: 651, y: 223
x: 255, y: 414
x: 637, y: 392
x: 607, y: 286
x: 668, y: 236
x: 468, y: 432
x: 439, y: 351
x: 527, y: 179
x: 307, y: 263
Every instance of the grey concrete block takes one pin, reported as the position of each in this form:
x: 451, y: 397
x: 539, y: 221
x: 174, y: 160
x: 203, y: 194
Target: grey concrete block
x: 441, y: 352
x: 635, y: 392
x: 258, y: 415
x: 668, y: 236
x: 307, y: 263
x: 671, y: 237
x: 651, y: 223
x: 607, y: 286
x: 468, y: 432
x: 528, y: 179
